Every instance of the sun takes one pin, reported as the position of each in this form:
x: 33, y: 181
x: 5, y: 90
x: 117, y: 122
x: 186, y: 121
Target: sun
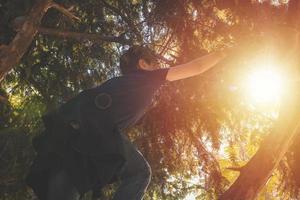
x: 265, y: 85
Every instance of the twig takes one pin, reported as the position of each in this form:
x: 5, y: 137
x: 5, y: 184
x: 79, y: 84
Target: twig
x: 238, y: 169
x: 165, y: 60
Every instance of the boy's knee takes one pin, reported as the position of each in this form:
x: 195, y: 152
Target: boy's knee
x: 146, y: 172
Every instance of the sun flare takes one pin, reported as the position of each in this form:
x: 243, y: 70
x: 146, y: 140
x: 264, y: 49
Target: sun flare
x: 265, y: 86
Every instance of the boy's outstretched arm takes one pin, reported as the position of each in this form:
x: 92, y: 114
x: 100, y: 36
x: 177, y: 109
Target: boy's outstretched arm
x: 195, y: 67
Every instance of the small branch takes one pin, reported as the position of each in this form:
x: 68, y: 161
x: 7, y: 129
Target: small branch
x: 83, y: 36
x: 237, y: 169
x: 165, y: 60
x: 202, y: 151
x: 65, y: 11
x: 164, y: 47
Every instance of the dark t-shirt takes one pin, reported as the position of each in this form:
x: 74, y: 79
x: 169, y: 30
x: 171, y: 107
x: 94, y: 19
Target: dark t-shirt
x: 131, y: 95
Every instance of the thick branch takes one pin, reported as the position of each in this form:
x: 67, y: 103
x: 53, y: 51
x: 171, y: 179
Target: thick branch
x: 259, y: 169
x: 11, y: 55
x: 255, y: 174
x: 83, y: 36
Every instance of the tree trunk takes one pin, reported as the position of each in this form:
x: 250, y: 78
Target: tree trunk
x: 255, y: 174
x: 10, y: 55
x: 258, y: 170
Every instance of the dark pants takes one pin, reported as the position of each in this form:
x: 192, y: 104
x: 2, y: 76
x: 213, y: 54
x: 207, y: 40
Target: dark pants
x: 135, y: 178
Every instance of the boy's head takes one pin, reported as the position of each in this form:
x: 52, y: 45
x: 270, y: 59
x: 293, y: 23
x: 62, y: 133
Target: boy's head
x: 138, y: 58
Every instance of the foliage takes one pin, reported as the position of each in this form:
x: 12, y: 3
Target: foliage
x: 197, y: 128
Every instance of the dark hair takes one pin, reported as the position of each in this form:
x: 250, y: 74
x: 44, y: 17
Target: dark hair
x: 130, y: 58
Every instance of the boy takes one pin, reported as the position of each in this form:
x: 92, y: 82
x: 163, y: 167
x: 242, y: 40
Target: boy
x: 83, y: 146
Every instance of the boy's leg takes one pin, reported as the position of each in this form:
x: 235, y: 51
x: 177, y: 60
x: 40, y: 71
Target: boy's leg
x: 60, y: 187
x: 135, y: 176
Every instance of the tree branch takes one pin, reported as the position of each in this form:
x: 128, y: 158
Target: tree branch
x: 28, y: 26
x: 65, y: 11
x: 12, y: 53
x: 259, y: 169
x: 202, y: 151
x: 83, y: 36
x: 169, y: 40
x: 165, y: 60
x: 237, y: 169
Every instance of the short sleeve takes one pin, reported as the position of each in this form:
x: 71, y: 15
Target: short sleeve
x: 158, y: 75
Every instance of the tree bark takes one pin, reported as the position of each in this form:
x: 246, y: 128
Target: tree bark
x: 255, y: 174
x: 10, y: 55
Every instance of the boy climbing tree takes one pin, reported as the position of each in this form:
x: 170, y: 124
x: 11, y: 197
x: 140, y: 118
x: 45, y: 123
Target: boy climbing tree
x: 83, y: 147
